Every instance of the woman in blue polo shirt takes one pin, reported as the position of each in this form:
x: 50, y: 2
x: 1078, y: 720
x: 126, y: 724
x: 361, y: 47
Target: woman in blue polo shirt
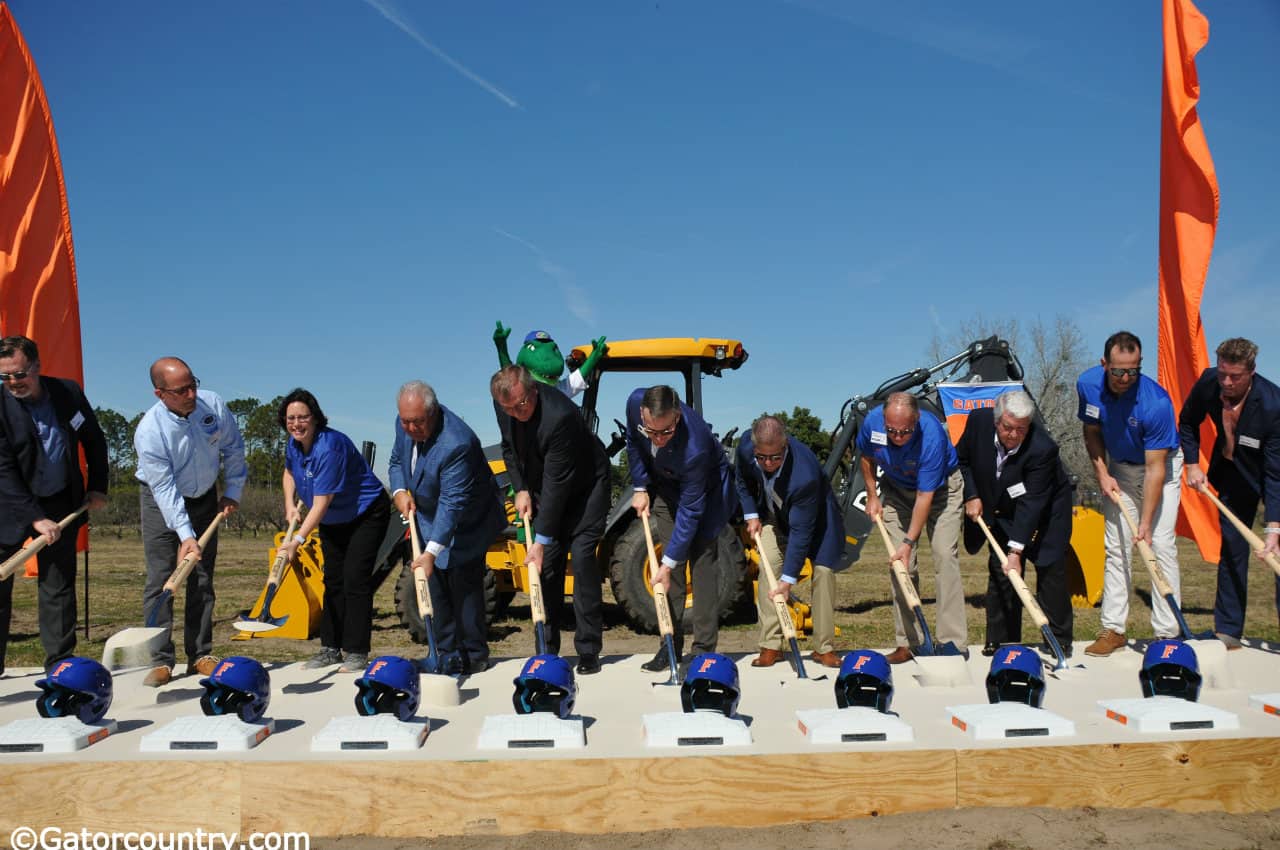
x: 347, y: 502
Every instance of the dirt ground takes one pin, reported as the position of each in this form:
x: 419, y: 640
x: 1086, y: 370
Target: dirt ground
x: 958, y: 829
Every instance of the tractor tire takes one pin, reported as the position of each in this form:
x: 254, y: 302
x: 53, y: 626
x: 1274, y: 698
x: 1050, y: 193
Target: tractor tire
x: 406, y: 599
x: 627, y: 576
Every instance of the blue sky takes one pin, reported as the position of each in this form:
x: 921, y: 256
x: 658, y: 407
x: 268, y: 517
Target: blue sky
x: 346, y: 194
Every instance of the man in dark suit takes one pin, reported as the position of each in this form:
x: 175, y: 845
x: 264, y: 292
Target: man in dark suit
x: 1244, y: 467
x: 788, y: 501
x: 1014, y: 478
x: 680, y: 473
x: 560, y: 475
x: 441, y: 480
x: 43, y: 424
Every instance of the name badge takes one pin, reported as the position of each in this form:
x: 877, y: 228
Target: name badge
x: 879, y: 438
x: 1091, y: 410
x: 78, y: 420
x: 1016, y: 490
x: 1248, y: 442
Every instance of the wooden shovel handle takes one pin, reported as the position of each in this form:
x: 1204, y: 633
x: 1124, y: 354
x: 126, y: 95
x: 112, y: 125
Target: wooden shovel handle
x: 1024, y: 592
x: 425, y: 608
x: 784, y: 614
x: 1144, y: 549
x: 665, y: 627
x: 12, y: 565
x: 183, y: 569
x: 899, y: 569
x: 1245, y: 531
x: 534, y: 581
x: 277, y: 566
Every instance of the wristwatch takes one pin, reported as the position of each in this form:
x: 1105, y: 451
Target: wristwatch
x: 909, y: 541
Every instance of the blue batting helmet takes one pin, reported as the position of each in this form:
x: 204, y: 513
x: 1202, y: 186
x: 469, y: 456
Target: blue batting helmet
x: 1170, y: 668
x: 389, y: 686
x: 1016, y: 676
x: 865, y: 680
x: 75, y: 687
x: 239, y: 686
x: 545, y: 683
x: 711, y: 685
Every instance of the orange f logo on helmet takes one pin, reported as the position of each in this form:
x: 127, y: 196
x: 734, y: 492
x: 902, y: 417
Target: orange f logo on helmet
x: 1013, y: 653
x: 707, y: 664
x: 59, y: 669
x: 1168, y: 650
x: 534, y: 664
x: 224, y: 667
x: 377, y: 665
x: 862, y: 659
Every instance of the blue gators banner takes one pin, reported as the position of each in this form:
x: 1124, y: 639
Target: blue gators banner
x: 958, y: 400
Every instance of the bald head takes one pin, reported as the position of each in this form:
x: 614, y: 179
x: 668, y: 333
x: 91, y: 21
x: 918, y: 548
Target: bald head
x: 174, y: 384
x: 167, y: 368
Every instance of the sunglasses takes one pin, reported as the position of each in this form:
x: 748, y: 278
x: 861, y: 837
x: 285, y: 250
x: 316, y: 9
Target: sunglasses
x: 770, y: 458
x: 14, y: 376
x: 654, y: 432
x: 1125, y: 373
x: 899, y: 432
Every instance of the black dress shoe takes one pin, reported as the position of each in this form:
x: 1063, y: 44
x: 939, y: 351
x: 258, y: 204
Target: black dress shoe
x: 1048, y: 652
x: 658, y: 663
x: 989, y: 649
x: 588, y: 663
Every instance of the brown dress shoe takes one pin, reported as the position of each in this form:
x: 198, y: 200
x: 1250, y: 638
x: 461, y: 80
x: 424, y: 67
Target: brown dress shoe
x: 901, y: 655
x: 158, y: 676
x: 826, y: 659
x: 1107, y: 643
x: 204, y: 665
x: 767, y: 658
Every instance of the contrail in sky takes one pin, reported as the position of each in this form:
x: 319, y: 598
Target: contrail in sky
x: 384, y: 8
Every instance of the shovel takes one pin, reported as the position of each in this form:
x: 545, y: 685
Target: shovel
x: 432, y: 662
x: 1158, y: 579
x: 665, y: 628
x: 181, y: 572
x: 927, y: 646
x: 784, y: 615
x: 536, y: 608
x: 1255, y: 542
x: 264, y: 621
x: 11, y: 566
x: 1029, y: 602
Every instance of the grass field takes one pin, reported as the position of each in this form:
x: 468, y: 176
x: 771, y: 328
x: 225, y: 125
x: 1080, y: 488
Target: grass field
x: 863, y: 613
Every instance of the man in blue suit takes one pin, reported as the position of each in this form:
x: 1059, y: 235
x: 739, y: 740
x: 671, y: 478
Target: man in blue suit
x: 680, y: 474
x: 440, y: 479
x: 788, y: 501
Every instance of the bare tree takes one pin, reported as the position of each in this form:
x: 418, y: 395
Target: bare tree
x: 1053, y: 355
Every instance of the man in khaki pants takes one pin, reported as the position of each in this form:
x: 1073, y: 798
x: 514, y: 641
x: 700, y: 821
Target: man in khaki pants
x: 788, y: 502
x: 922, y: 490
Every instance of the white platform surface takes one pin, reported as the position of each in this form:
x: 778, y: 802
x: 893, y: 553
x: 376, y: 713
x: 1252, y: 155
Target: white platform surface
x: 853, y: 726
x: 359, y: 734
x: 1009, y: 720
x: 612, y: 702
x: 51, y: 734
x: 537, y: 731
x: 1168, y: 714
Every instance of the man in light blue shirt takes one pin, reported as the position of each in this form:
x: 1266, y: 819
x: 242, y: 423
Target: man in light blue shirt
x: 922, y: 489
x: 183, y: 442
x: 1131, y: 435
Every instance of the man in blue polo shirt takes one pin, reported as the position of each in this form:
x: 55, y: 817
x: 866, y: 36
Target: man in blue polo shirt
x: 921, y: 489
x: 1131, y: 435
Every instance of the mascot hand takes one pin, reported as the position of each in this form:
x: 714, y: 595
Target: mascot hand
x: 598, y: 350
x: 500, y: 335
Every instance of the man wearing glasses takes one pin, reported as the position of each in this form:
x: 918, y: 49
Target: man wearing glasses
x: 183, y: 442
x: 1244, y: 467
x: 43, y: 424
x: 680, y: 475
x: 788, y: 502
x: 921, y: 490
x: 1132, y: 439
x: 560, y: 475
x: 1015, y: 481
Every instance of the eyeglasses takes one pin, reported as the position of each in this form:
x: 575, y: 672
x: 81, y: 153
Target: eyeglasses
x: 14, y: 376
x: 1125, y: 373
x: 518, y: 405
x: 762, y: 458
x: 899, y: 432
x: 306, y: 417
x: 1012, y: 429
x: 654, y: 432
x: 183, y: 390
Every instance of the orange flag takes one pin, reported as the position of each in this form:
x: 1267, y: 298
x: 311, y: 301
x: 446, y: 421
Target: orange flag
x: 38, y: 294
x: 1188, y: 220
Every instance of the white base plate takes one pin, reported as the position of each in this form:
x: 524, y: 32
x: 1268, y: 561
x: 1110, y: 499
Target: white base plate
x: 377, y: 732
x: 695, y: 729
x: 200, y: 733
x: 1001, y: 720
x: 853, y: 725
x: 537, y: 731
x: 1270, y: 703
x: 51, y: 735
x: 1167, y: 714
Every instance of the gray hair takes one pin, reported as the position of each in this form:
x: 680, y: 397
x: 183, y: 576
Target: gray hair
x: 1016, y: 403
x: 768, y: 429
x: 904, y: 400
x: 421, y: 390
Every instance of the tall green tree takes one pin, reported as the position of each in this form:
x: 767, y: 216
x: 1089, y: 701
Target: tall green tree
x: 122, y: 460
x: 807, y: 428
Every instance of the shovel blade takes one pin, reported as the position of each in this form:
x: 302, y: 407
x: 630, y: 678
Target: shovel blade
x: 132, y: 647
x: 245, y: 624
x: 798, y: 659
x: 153, y: 613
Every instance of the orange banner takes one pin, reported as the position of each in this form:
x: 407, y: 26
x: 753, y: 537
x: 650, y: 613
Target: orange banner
x: 38, y: 293
x: 1188, y: 221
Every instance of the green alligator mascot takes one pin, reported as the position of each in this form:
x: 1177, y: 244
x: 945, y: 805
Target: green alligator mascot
x: 541, y: 356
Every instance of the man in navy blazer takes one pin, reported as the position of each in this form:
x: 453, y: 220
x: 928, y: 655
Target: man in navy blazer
x: 1244, y: 467
x: 680, y: 473
x: 788, y: 502
x: 1015, y: 480
x: 441, y: 480
x: 43, y: 424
